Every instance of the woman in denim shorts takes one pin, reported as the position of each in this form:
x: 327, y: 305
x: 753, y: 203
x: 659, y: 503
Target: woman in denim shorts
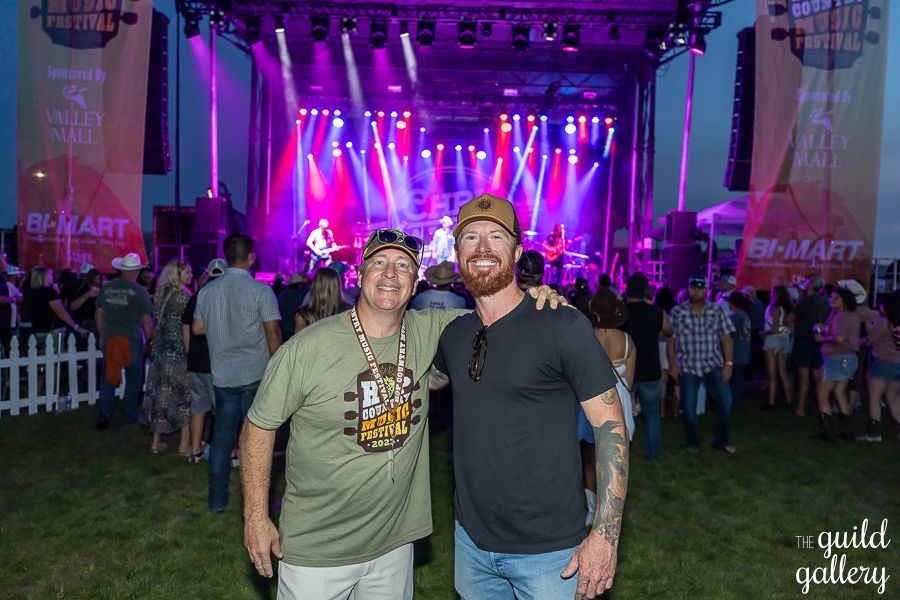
x: 884, y: 369
x: 777, y: 344
x: 840, y: 343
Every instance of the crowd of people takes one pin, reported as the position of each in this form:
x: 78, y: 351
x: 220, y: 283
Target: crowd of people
x: 221, y: 344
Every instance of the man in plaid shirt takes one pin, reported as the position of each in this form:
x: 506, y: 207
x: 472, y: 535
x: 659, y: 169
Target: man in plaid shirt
x: 699, y: 351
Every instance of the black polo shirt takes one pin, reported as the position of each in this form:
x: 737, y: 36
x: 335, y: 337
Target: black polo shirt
x: 516, y: 457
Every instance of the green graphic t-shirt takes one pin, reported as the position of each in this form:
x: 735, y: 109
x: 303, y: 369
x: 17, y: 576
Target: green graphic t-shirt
x: 340, y: 505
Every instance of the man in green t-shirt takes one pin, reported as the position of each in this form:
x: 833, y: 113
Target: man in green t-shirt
x: 355, y: 387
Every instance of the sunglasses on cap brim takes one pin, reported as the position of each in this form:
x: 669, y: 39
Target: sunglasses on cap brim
x: 399, y: 238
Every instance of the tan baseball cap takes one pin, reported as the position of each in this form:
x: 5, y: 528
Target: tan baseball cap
x: 488, y: 207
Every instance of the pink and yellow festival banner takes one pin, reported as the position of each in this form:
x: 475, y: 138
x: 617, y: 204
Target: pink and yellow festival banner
x: 820, y: 68
x: 82, y: 89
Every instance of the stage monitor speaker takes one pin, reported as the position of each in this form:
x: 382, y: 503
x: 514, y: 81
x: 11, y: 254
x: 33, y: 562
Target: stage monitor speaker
x: 740, y: 152
x: 680, y: 226
x: 680, y: 261
x: 157, y: 160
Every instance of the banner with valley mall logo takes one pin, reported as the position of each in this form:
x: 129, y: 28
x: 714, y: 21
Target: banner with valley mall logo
x: 82, y: 87
x: 820, y: 68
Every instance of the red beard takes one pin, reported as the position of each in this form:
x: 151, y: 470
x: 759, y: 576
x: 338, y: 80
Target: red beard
x: 487, y: 284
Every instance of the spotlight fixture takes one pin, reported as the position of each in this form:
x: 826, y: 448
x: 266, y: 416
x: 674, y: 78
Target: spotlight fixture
x: 421, y: 130
x: 252, y: 29
x: 314, y: 112
x: 368, y: 113
x: 440, y: 147
x: 614, y: 33
x: 336, y: 152
x: 698, y: 43
x: 401, y: 125
x: 582, y: 119
x: 570, y: 128
x: 550, y: 30
x: 486, y: 130
x: 406, y: 114
x: 217, y: 19
x: 380, y: 114
x: 516, y: 118
x: 425, y: 32
x: 595, y: 120
x: 349, y: 144
x: 458, y: 147
x: 481, y: 155
x: 506, y: 127
x: 378, y: 35
x: 521, y: 35
x: 336, y: 112
x: 572, y: 151
x: 530, y: 118
x: 426, y: 153
x: 608, y: 121
x: 516, y: 150
x: 393, y: 114
x: 335, y: 144
x: 303, y: 112
x: 191, y: 26
x: 571, y: 38
x: 471, y: 148
x: 573, y: 160
x: 543, y: 118
x: 468, y: 34
x: 318, y: 29
x: 297, y: 121
x: 325, y: 112
x: 391, y: 145
x: 570, y: 119
x: 279, y: 24
x: 678, y: 32
x: 504, y: 117
x: 558, y: 151
x: 338, y: 122
x: 348, y: 25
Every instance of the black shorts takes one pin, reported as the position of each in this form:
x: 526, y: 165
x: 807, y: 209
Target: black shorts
x: 806, y: 353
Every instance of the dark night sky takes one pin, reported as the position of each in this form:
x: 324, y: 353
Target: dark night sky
x: 711, y: 123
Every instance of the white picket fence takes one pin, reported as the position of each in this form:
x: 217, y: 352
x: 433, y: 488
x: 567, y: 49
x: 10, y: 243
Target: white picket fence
x: 38, y: 375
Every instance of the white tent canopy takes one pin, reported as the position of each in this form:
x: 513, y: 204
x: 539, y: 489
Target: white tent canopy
x: 727, y: 218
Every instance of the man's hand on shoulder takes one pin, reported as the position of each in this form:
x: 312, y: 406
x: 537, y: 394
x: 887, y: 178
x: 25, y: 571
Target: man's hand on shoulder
x: 545, y: 294
x: 261, y: 540
x: 595, y: 562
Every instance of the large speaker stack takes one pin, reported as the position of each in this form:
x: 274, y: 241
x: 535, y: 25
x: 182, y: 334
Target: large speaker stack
x: 681, y: 255
x: 156, y: 124
x: 210, y: 229
x: 740, y: 152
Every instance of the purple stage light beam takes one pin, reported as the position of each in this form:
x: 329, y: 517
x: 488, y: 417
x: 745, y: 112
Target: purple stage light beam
x: 356, y: 95
x: 686, y: 136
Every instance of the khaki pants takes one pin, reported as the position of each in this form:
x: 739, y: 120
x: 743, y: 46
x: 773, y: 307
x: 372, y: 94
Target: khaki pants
x: 388, y: 577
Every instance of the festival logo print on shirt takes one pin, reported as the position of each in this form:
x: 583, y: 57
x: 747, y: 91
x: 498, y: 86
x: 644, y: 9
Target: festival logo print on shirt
x: 379, y: 426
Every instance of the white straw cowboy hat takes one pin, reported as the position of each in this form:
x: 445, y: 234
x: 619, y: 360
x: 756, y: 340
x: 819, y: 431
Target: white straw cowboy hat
x: 129, y: 262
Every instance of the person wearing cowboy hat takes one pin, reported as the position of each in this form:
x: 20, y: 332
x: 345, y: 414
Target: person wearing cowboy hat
x: 124, y: 321
x: 442, y: 242
x: 441, y: 276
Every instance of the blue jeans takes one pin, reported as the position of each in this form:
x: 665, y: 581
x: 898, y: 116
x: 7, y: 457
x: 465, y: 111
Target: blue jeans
x: 648, y: 394
x: 720, y: 392
x: 134, y: 374
x: 232, y: 405
x: 736, y: 383
x: 482, y: 575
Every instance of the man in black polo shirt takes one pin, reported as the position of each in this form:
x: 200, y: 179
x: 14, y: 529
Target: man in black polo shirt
x: 646, y: 322
x: 516, y: 389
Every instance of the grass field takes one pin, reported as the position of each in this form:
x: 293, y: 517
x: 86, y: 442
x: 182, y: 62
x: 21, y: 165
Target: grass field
x: 91, y: 514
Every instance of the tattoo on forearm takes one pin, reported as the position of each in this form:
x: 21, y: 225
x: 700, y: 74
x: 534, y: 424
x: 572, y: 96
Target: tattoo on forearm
x: 609, y: 396
x: 611, y: 450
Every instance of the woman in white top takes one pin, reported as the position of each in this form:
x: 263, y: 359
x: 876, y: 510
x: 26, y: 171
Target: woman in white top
x: 609, y: 313
x: 777, y: 343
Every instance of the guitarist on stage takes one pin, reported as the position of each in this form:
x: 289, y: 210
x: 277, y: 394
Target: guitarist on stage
x: 555, y: 251
x: 321, y: 243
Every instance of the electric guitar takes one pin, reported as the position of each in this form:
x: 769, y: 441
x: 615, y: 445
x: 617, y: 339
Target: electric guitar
x: 554, y: 251
x: 324, y: 255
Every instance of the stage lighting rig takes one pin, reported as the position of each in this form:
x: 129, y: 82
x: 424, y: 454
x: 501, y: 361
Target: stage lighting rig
x: 378, y: 35
x: 550, y: 30
x: 279, y: 24
x: 520, y: 37
x: 571, y: 38
x: 425, y: 32
x: 468, y: 34
x: 348, y: 25
x: 318, y: 29
x: 698, y: 43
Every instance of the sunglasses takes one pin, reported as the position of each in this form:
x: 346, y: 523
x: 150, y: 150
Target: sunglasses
x: 476, y: 363
x: 395, y: 236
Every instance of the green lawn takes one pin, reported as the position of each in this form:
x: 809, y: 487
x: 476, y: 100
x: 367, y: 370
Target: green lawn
x: 90, y: 514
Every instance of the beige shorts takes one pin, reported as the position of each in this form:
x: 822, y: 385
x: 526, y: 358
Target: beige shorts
x: 388, y: 577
